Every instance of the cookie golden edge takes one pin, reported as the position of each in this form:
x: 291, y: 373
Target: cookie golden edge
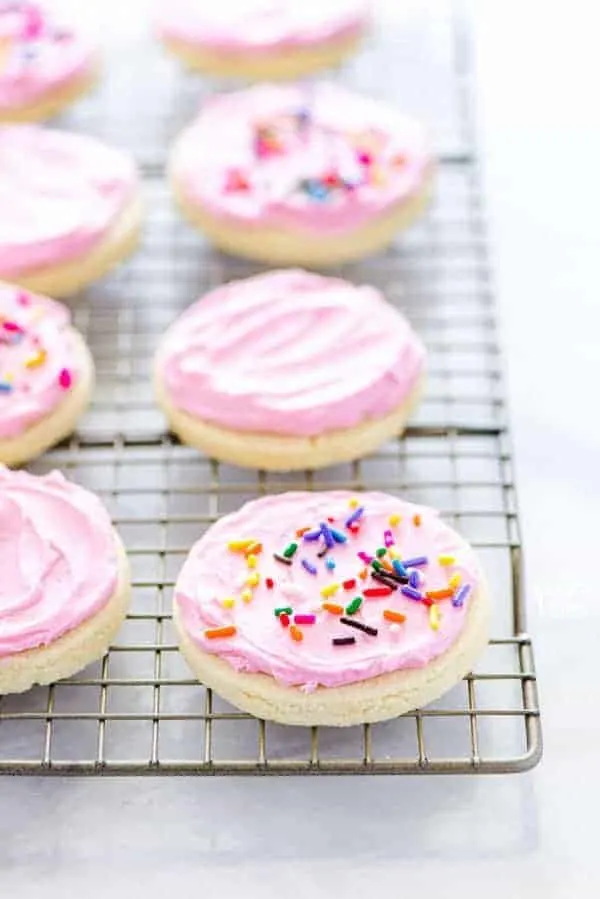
x: 292, y: 247
x: 61, y: 422
x: 68, y: 278
x: 282, y: 65
x: 274, y: 452
x: 54, y: 101
x: 376, y: 699
x: 76, y: 648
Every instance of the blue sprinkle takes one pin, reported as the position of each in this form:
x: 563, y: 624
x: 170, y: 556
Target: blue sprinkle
x: 338, y: 536
x: 327, y: 535
x: 358, y: 513
x: 330, y: 564
x: 399, y: 568
x: 316, y: 190
x: 411, y: 593
x: 309, y: 566
x: 460, y: 597
x: 312, y: 535
x: 5, y: 387
x: 413, y: 563
x: 413, y: 579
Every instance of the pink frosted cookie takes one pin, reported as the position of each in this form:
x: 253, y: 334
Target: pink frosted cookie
x: 262, y: 39
x: 321, y: 608
x: 69, y: 208
x: 44, y: 64
x: 295, y: 175
x: 289, y: 370
x: 46, y: 374
x: 64, y: 588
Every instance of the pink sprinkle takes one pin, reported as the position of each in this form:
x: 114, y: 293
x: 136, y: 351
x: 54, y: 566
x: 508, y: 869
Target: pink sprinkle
x: 13, y: 327
x: 388, y: 538
x: 365, y: 158
x: 305, y: 619
x: 65, y: 378
x: 23, y: 298
x: 34, y: 25
x: 365, y: 557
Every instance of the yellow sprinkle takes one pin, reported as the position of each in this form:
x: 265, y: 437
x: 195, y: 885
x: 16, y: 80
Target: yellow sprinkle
x: 393, y: 553
x: 238, y: 546
x: 434, y: 617
x: 455, y: 580
x: 251, y: 561
x: 329, y: 590
x: 253, y: 579
x: 9, y: 377
x: 247, y: 596
x: 353, y: 503
x: 36, y: 359
x: 446, y: 559
x: 228, y: 603
x: 394, y: 520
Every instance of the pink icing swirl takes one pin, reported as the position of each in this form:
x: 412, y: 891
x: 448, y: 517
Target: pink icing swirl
x: 213, y: 572
x: 59, y: 558
x: 290, y: 352
x: 260, y: 25
x: 60, y: 193
x: 39, y: 362
x: 37, y: 55
x: 318, y: 158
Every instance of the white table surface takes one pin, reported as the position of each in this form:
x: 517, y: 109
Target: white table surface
x: 530, y: 835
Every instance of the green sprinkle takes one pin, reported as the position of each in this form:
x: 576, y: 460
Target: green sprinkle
x: 287, y: 610
x: 353, y: 607
x: 290, y: 550
x: 381, y: 552
x: 377, y: 565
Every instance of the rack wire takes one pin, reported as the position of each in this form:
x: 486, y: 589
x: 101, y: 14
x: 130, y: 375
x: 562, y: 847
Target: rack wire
x: 139, y: 710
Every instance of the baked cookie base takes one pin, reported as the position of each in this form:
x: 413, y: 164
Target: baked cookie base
x: 273, y: 452
x: 67, y: 278
x: 278, y: 246
x: 282, y: 65
x: 75, y: 649
x: 58, y: 424
x: 53, y: 102
x: 376, y: 699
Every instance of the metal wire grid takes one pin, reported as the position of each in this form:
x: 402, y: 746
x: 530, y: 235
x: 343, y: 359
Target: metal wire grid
x: 138, y: 711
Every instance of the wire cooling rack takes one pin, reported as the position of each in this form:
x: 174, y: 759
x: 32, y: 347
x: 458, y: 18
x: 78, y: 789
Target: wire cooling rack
x: 138, y: 710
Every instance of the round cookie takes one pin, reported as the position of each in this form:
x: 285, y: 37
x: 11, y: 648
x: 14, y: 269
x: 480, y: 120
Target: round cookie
x: 46, y: 374
x: 65, y: 586
x: 311, y: 175
x: 69, y: 208
x: 321, y: 608
x: 262, y: 39
x: 45, y: 65
x: 289, y: 370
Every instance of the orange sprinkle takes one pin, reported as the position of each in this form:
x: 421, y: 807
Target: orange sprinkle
x: 385, y: 564
x: 302, y: 531
x: 390, y: 615
x: 214, y: 633
x: 439, y: 594
x: 254, y: 549
x: 363, y: 574
x: 296, y: 634
x: 333, y: 607
x: 417, y: 520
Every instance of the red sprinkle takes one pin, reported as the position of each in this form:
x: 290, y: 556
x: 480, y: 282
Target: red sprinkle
x: 426, y: 601
x: 354, y: 528
x: 375, y: 592
x: 65, y: 378
x: 349, y: 585
x: 330, y: 519
x: 284, y: 619
x: 235, y: 180
x: 269, y: 583
x: 331, y: 179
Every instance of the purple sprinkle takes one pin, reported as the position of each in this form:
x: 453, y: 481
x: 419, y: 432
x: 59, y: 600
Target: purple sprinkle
x: 358, y: 513
x: 388, y: 538
x: 327, y: 535
x: 305, y: 619
x: 411, y: 593
x: 413, y: 563
x: 338, y: 536
x: 414, y: 579
x: 309, y: 566
x: 460, y: 597
x: 399, y: 568
x: 312, y: 535
x: 365, y: 557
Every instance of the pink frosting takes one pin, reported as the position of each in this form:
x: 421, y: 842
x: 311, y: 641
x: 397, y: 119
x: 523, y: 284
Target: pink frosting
x: 214, y: 572
x: 59, y: 558
x: 37, y: 54
x: 60, y: 194
x: 39, y: 363
x: 278, y: 353
x: 260, y: 25
x: 315, y: 157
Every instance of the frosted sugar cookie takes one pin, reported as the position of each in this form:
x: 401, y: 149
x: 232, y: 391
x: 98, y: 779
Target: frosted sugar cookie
x: 322, y: 608
x: 289, y: 370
